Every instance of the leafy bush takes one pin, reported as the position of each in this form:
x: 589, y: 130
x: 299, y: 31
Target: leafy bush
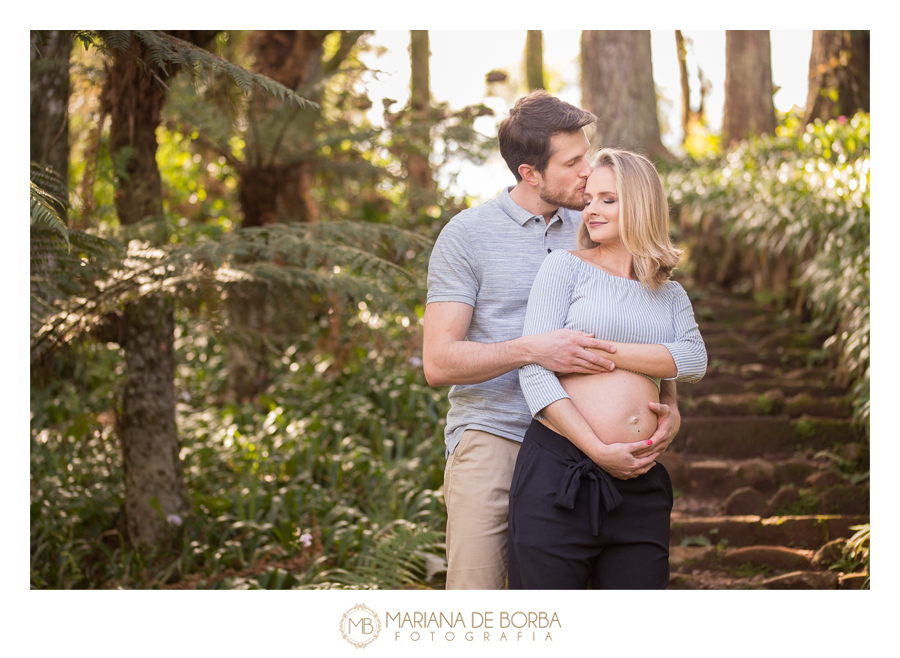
x: 793, y: 209
x: 302, y: 487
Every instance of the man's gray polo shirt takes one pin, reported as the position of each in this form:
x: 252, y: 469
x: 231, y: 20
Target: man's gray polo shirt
x: 487, y: 257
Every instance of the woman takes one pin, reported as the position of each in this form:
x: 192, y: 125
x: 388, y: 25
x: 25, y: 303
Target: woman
x: 571, y: 524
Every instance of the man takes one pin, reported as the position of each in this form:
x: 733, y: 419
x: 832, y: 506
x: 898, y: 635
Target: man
x: 479, y: 278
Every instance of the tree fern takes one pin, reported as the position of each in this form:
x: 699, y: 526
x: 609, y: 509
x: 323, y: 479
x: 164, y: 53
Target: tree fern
x: 168, y: 52
x: 355, y: 260
x: 397, y: 559
x: 43, y: 212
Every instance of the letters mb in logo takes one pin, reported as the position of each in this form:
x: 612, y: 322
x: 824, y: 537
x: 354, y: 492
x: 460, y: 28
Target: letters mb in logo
x: 360, y: 626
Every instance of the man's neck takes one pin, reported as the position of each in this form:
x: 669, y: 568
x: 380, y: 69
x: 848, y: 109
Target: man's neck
x: 526, y: 197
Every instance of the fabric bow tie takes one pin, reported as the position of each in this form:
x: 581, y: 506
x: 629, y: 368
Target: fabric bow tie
x: 601, y: 485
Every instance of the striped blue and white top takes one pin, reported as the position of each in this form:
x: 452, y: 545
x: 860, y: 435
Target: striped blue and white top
x: 568, y: 293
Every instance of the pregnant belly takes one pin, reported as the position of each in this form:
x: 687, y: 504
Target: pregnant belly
x: 615, y: 404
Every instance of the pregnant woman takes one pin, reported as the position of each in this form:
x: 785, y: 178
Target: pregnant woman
x: 571, y: 524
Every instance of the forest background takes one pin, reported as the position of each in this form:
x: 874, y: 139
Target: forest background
x: 246, y: 522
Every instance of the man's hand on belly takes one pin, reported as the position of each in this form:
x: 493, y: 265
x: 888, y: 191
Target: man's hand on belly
x: 667, y: 425
x: 567, y: 351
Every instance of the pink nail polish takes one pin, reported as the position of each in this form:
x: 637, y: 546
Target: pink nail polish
x: 649, y: 442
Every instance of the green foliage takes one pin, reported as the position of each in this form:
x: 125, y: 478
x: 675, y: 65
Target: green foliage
x: 396, y: 560
x: 855, y: 554
x: 171, y: 53
x: 329, y: 479
x: 800, y: 197
x: 851, y: 470
x: 49, y: 200
x: 355, y: 261
x: 749, y: 570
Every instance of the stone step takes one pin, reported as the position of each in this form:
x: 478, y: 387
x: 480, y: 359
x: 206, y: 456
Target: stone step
x: 773, y: 357
x: 804, y: 532
x: 752, y: 371
x: 761, y: 567
x: 760, y: 436
x: 734, y: 383
x: 797, y: 580
x: 726, y: 310
x: 789, y: 499
x: 768, y: 403
x: 702, y: 476
x: 761, y: 336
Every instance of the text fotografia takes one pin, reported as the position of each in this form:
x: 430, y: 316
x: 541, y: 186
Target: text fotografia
x: 478, y: 626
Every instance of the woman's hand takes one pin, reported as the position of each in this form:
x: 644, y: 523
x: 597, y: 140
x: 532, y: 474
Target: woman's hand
x: 667, y: 426
x: 621, y: 461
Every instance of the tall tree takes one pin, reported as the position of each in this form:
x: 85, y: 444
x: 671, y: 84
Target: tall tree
x: 276, y: 178
x: 685, y: 84
x: 534, y: 60
x: 50, y: 101
x: 838, y: 74
x: 133, y: 96
x: 273, y: 188
x: 617, y: 86
x: 749, y: 104
x: 418, y: 168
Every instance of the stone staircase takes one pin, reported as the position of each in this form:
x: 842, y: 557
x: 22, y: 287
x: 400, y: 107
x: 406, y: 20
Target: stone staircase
x: 765, y: 462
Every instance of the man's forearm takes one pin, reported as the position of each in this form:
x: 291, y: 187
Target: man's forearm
x: 469, y: 362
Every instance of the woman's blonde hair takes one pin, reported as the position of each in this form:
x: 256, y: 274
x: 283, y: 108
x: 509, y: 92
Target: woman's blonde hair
x: 643, y: 216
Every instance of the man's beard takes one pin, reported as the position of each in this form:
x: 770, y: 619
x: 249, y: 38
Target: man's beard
x: 574, y: 201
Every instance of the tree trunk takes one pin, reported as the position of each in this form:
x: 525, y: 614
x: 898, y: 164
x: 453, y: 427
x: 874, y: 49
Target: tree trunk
x: 749, y: 106
x: 418, y: 168
x: 50, y: 103
x: 49, y: 130
x: 838, y: 74
x: 275, y: 187
x: 617, y: 86
x: 534, y: 60
x: 154, y: 480
x: 272, y: 190
x: 685, y: 85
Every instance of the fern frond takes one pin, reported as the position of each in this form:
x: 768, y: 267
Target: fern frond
x: 51, y: 181
x: 396, y: 560
x: 118, y: 39
x: 43, y: 212
x: 38, y: 39
x: 168, y: 53
x: 355, y: 261
x: 201, y: 63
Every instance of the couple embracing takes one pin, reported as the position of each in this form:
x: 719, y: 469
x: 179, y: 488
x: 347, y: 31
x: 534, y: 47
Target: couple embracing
x: 551, y: 312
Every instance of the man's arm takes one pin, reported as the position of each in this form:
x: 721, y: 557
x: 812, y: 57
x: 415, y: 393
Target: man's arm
x: 451, y: 359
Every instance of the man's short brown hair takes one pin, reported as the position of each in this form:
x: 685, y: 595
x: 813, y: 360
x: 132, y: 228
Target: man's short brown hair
x: 525, y: 134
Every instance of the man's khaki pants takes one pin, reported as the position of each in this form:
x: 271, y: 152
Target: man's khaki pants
x: 476, y: 492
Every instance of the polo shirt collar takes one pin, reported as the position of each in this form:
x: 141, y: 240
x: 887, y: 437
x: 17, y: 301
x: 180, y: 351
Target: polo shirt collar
x: 517, y: 212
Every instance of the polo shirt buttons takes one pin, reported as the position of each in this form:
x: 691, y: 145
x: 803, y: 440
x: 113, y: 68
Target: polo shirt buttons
x: 549, y: 250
